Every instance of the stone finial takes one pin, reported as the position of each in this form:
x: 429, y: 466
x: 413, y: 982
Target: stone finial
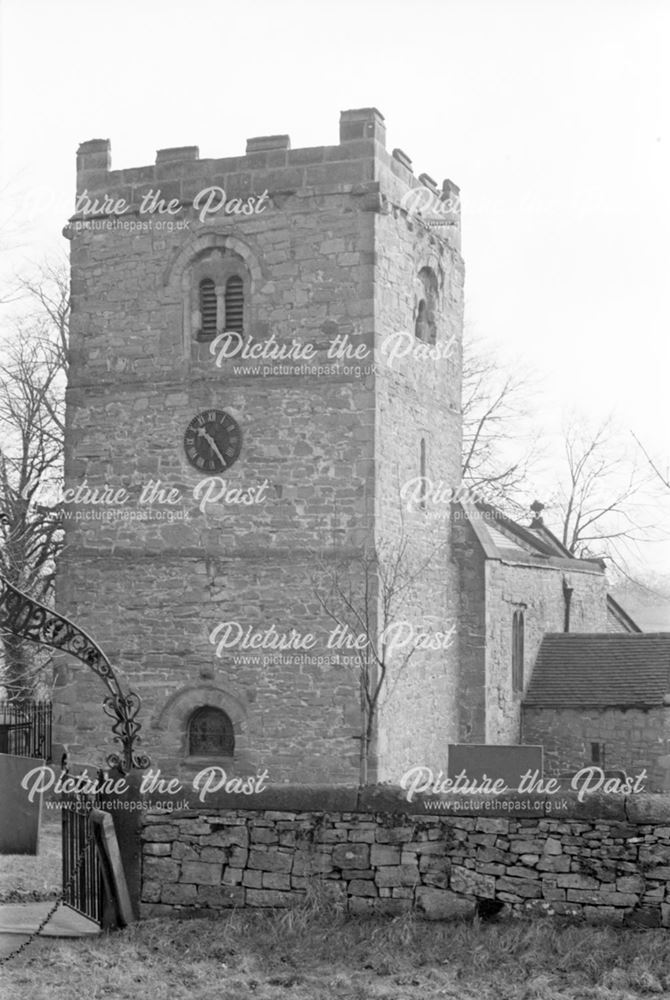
x: 537, y: 509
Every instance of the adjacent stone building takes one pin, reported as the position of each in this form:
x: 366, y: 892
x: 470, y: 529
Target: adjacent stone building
x: 603, y: 700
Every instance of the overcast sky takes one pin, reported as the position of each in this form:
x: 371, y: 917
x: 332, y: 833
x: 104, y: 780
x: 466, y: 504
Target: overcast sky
x: 551, y: 115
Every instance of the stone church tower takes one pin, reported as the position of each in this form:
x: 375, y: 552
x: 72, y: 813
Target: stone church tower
x: 216, y: 481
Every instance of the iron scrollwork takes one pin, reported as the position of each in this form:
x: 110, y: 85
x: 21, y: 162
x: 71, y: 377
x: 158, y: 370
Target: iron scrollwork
x: 23, y: 616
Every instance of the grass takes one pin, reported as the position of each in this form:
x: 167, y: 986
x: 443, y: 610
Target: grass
x: 25, y: 877
x: 315, y: 952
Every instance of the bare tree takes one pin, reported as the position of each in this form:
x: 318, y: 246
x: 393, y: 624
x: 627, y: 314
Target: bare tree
x: 603, y: 494
x: 499, y: 446
x: 662, y: 475
x: 32, y: 400
x: 371, y: 597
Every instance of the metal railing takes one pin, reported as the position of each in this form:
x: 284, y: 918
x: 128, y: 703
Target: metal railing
x: 84, y: 891
x: 25, y: 729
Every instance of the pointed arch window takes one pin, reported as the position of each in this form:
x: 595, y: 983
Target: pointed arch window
x: 210, y: 733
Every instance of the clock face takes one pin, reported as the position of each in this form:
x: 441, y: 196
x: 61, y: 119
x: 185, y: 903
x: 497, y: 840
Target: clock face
x: 212, y: 441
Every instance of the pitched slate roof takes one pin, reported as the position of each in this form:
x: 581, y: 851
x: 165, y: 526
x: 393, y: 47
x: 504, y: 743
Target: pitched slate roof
x: 502, y: 538
x: 576, y: 670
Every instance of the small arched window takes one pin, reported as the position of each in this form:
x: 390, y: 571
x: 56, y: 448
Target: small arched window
x: 517, y: 651
x: 207, y: 305
x: 210, y: 733
x: 234, y: 304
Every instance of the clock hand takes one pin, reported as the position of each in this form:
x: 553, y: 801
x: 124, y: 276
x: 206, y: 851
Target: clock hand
x: 213, y: 445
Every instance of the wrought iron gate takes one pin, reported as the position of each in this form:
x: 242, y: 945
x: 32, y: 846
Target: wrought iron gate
x: 84, y: 892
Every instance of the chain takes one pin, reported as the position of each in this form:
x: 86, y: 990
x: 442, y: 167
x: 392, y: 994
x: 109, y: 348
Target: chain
x: 59, y: 899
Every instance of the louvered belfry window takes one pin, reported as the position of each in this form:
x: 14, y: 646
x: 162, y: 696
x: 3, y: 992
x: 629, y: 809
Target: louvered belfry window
x: 210, y: 733
x: 207, y: 309
x: 234, y: 301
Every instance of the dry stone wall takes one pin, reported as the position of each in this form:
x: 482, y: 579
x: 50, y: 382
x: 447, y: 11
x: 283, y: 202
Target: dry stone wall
x: 601, y: 860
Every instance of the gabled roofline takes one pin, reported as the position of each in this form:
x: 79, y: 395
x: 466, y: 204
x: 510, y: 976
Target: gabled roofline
x: 550, y: 552
x: 623, y: 615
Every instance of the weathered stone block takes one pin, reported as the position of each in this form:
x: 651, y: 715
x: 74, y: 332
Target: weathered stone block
x: 193, y: 827
x: 157, y: 850
x: 441, y: 904
x: 603, y: 915
x: 464, y: 880
x: 214, y: 854
x: 159, y: 834
x: 275, y: 880
x: 220, y: 895
x: 395, y: 835
x: 306, y: 863
x: 519, y: 871
x: 552, y: 846
x: 630, y: 883
x: 485, y: 825
x: 184, y: 852
x: 252, y: 879
x: 160, y: 870
x: 643, y: 916
x: 201, y: 873
x: 397, y: 875
x: 178, y: 894
x: 554, y: 864
x: 232, y: 876
x: 384, y: 854
x: 270, y: 861
x: 439, y: 879
x: 618, y: 898
x: 584, y: 896
x: 351, y: 856
x: 238, y: 835
x: 491, y: 869
x: 519, y: 887
x: 361, y: 836
x: 264, y: 835
x: 151, y: 892
x: 361, y: 887
x: 577, y: 882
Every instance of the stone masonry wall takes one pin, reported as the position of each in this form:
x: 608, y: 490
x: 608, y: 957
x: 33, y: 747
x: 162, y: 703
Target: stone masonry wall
x: 633, y: 739
x: 538, y: 591
x: 601, y: 861
x: 418, y: 399
x: 151, y: 589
